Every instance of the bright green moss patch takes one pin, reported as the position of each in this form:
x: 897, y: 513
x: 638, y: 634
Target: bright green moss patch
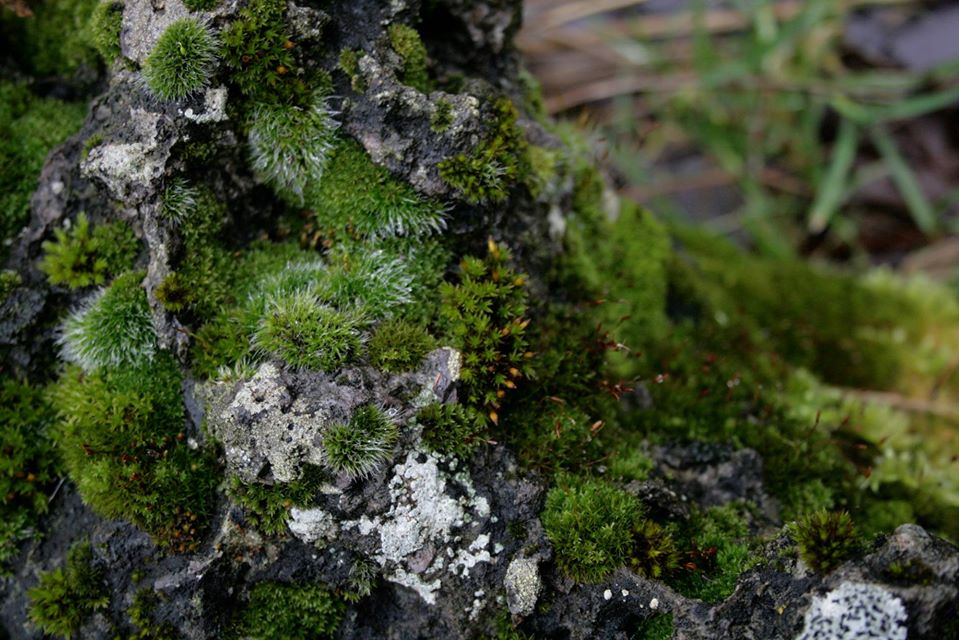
x: 350, y: 65
x: 29, y: 128
x: 80, y: 256
x: 182, y: 60
x: 409, y: 47
x: 483, y: 316
x: 291, y: 612
x: 54, y: 41
x: 27, y: 462
x: 590, y: 523
x: 385, y: 207
x: 112, y: 329
x: 399, y: 345
x: 452, y: 429
x: 268, y: 507
x: 105, y: 24
x: 497, y: 163
x: 68, y: 595
x: 361, y: 445
x: 825, y: 539
x: 122, y: 438
x: 304, y: 333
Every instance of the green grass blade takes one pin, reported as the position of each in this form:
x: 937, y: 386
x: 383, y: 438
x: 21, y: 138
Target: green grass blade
x: 905, y: 179
x: 829, y: 194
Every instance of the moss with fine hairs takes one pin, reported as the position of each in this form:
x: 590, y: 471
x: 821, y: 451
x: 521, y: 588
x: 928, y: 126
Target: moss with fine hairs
x: 825, y: 539
x: 267, y: 507
x: 182, y: 60
x: 30, y: 126
x: 372, y: 284
x: 28, y: 464
x: 105, y: 24
x: 113, y: 328
x: 398, y: 345
x: 590, y: 524
x: 67, y: 596
x: 80, y: 256
x: 290, y: 611
x: 495, y: 165
x: 408, y: 45
x: 121, y: 435
x: 452, y: 429
x: 357, y: 448
x: 306, y: 334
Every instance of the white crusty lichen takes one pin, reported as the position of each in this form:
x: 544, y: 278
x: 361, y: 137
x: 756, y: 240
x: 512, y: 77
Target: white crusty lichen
x: 855, y: 611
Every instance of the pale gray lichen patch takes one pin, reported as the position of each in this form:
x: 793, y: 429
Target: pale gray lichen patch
x: 313, y: 525
x: 130, y: 167
x: 855, y: 611
x: 523, y: 584
x: 214, y: 107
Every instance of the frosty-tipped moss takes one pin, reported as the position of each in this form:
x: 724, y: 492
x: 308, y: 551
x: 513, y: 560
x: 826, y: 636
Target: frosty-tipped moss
x: 182, y: 61
x: 358, y: 447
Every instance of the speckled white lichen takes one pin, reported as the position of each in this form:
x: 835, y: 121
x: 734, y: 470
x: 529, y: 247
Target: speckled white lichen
x: 127, y: 168
x: 313, y: 525
x: 214, y: 107
x: 855, y: 611
x: 523, y: 584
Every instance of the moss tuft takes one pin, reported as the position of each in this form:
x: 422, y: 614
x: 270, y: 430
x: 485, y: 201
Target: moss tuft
x: 408, y: 45
x: 304, y: 333
x: 268, y: 507
x: 182, y: 61
x: 179, y: 201
x: 590, y: 524
x: 825, y: 539
x: 350, y: 65
x: 452, y: 429
x: 654, y: 554
x: 121, y: 436
x: 291, y: 612
x: 113, y: 328
x: 201, y: 5
x: 357, y: 448
x: 657, y: 627
x: 399, y: 345
x: 442, y: 116
x: 141, y: 613
x: 105, y: 24
x: 67, y: 596
x: 79, y: 257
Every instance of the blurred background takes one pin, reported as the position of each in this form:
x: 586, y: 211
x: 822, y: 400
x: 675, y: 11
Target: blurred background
x: 825, y: 129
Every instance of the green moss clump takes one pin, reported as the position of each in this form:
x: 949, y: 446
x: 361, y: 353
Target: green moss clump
x: 68, y: 595
x: 291, y: 145
x: 362, y: 579
x: 497, y: 163
x: 358, y: 447
x: 182, y: 60
x: 141, y: 613
x: 399, y: 345
x: 29, y: 128
x: 483, y: 316
x: 408, y: 45
x: 267, y: 507
x: 27, y: 462
x: 105, y: 24
x: 590, y: 524
x: 80, y: 257
x: 179, y: 201
x: 825, y: 539
x: 201, y: 5
x: 657, y: 627
x: 304, y: 333
x: 112, y: 329
x: 54, y: 41
x: 121, y: 435
x: 384, y: 208
x: 370, y: 283
x: 452, y: 429
x: 442, y: 117
x: 291, y: 612
x: 654, y: 554
x: 350, y: 65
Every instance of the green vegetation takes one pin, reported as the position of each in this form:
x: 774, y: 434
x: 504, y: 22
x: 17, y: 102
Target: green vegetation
x: 654, y: 555
x: 201, y: 5
x: 68, y: 595
x: 112, y: 329
x: 29, y: 128
x: 657, y: 627
x: 55, y: 41
x: 105, y: 24
x: 290, y: 612
x: 350, y: 65
x: 363, y: 576
x: 398, y: 345
x: 483, y: 316
x: 452, y: 429
x: 80, y: 257
x: 497, y: 163
x: 370, y: 283
x: 182, y: 61
x: 268, y: 506
x: 409, y: 47
x: 291, y: 145
x: 442, y: 117
x: 28, y: 464
x: 141, y: 614
x: 304, y: 333
x: 121, y: 435
x: 590, y: 524
x: 825, y: 539
x: 360, y: 446
x: 179, y: 201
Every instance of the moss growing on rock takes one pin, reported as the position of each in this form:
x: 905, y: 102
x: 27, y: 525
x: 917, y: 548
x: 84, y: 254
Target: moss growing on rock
x: 80, y: 257
x: 68, y: 595
x: 452, y: 429
x: 290, y: 611
x: 825, y: 539
x: 360, y: 446
x: 182, y: 61
x: 398, y: 345
x: 105, y: 24
x: 408, y: 45
x: 259, y: 51
x: 268, y: 507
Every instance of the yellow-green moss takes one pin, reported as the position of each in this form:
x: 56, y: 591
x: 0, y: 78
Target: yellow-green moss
x: 290, y: 611
x: 65, y: 597
x: 408, y: 45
